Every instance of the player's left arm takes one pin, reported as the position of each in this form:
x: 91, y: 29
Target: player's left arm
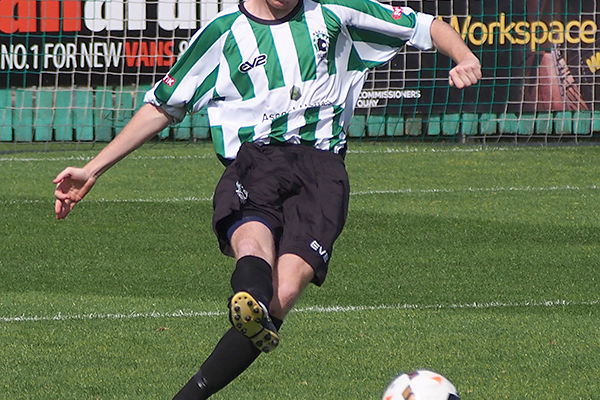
x: 467, y: 71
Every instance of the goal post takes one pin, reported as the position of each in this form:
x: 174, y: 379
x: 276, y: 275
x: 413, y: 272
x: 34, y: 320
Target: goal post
x: 75, y: 71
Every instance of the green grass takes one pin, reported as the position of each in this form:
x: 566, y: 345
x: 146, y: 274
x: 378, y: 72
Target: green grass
x: 479, y: 263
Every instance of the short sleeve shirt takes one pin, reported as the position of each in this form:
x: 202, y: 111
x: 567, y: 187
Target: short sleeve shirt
x: 294, y: 80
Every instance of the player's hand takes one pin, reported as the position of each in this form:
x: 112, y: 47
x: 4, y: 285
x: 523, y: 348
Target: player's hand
x: 465, y: 73
x: 72, y: 184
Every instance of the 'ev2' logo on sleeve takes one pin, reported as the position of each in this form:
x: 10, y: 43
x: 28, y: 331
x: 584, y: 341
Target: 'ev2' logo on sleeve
x: 246, y: 66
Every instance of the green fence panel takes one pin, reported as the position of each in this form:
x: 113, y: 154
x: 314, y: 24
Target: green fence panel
x: 358, y: 126
x: 44, y: 115
x: 450, y: 124
x: 563, y: 123
x: 526, y: 124
x: 183, y: 130
x: 376, y: 125
x: 63, y: 115
x: 394, y: 125
x: 434, y: 125
x: 414, y: 126
x: 469, y: 124
x: 509, y: 123
x: 22, y: 115
x: 87, y: 115
x: 103, y: 114
x: 488, y: 124
x: 596, y: 121
x: 83, y: 116
x: 139, y: 96
x: 6, y: 122
x: 582, y: 122
x: 124, y: 104
x: 544, y: 123
x: 200, y: 125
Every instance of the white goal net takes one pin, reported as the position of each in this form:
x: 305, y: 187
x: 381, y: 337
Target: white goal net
x: 74, y: 70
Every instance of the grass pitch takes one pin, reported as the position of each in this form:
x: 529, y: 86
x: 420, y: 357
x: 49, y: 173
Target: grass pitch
x: 480, y: 263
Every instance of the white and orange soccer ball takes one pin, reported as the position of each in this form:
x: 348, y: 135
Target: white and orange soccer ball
x: 421, y: 385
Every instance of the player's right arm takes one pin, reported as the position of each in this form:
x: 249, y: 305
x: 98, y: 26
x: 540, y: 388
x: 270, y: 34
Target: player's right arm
x: 72, y: 184
x: 187, y: 87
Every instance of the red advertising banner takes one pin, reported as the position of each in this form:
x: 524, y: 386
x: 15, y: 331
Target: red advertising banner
x: 94, y: 42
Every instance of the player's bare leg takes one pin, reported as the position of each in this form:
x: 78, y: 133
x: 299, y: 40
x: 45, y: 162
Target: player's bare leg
x: 252, y: 306
x: 252, y: 285
x: 291, y: 275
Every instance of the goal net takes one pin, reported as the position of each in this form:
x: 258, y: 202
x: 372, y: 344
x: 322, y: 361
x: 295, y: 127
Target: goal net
x: 75, y: 71
x: 540, y: 61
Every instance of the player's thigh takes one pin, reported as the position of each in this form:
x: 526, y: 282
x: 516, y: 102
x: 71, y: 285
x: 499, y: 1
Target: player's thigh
x: 315, y: 218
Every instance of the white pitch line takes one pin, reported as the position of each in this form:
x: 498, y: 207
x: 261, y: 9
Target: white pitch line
x: 192, y: 199
x: 189, y: 199
x: 479, y: 190
x: 475, y: 305
x: 409, y: 149
x: 87, y: 158
x: 99, y: 316
x: 304, y: 310
x: 387, y: 150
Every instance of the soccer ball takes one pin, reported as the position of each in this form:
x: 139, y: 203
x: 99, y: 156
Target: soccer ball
x: 421, y: 385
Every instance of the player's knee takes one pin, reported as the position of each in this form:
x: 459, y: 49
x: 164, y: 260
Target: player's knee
x: 249, y: 246
x: 253, y: 239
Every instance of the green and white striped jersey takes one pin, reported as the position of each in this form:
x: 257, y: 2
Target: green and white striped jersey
x: 294, y: 80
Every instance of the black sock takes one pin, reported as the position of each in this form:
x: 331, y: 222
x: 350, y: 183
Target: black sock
x: 193, y: 390
x: 233, y: 355
x: 253, y: 275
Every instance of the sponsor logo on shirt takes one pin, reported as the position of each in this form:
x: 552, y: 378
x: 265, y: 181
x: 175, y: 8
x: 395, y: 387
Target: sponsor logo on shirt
x: 295, y: 108
x: 321, y: 43
x: 397, y: 14
x: 168, y: 80
x: 246, y: 66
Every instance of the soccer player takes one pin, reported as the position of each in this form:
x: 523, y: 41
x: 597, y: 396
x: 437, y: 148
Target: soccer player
x: 280, y: 79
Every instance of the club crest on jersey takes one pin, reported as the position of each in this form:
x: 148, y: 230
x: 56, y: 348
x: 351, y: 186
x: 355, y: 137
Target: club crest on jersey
x: 246, y: 66
x: 397, y: 13
x: 168, y: 80
x: 321, y: 43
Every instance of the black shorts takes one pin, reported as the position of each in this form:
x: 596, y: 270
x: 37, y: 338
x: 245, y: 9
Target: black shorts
x: 299, y: 192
